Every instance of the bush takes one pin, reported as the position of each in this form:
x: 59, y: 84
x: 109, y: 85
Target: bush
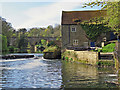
x: 51, y: 49
x: 3, y: 44
x: 16, y: 50
x: 51, y: 43
x: 11, y: 49
x: 66, y: 58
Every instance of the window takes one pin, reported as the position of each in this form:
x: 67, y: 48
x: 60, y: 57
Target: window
x: 75, y: 42
x: 73, y: 29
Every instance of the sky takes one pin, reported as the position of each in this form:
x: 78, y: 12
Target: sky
x: 29, y: 14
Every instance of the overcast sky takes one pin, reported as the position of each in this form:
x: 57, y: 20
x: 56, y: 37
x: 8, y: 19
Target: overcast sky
x: 30, y: 14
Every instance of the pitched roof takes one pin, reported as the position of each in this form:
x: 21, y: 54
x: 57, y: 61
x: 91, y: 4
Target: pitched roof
x: 69, y: 16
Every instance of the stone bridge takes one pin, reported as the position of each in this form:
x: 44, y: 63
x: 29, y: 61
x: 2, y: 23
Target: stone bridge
x: 32, y: 40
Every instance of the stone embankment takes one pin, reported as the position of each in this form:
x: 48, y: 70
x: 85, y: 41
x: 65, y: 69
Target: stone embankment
x: 89, y: 57
x: 52, y: 55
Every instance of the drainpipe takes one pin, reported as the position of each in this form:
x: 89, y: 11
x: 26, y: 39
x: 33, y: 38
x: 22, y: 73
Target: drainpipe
x: 69, y: 33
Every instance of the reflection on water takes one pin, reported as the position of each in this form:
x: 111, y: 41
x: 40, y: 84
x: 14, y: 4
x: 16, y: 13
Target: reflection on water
x: 42, y: 73
x: 76, y: 75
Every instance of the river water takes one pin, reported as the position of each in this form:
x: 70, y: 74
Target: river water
x: 43, y: 73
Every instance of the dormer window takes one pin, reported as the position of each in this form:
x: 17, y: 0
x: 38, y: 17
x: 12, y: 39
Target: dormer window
x: 73, y: 29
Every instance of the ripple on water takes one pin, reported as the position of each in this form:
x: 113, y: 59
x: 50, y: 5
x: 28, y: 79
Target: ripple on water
x: 41, y: 73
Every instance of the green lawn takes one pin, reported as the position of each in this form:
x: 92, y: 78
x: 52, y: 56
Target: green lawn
x: 108, y: 48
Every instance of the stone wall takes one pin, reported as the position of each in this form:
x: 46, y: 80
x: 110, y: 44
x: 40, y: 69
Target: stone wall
x: 68, y: 36
x: 88, y: 57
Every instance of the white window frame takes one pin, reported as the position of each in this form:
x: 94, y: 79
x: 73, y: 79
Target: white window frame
x: 73, y: 30
x: 75, y: 42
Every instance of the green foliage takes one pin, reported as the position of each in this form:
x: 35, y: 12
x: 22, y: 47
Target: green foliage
x: 99, y: 50
x: 71, y: 55
x: 113, y: 12
x: 22, y: 43
x: 28, y: 48
x: 22, y: 30
x: 43, y: 42
x: 108, y: 48
x: 7, y: 29
x: 68, y: 52
x: 16, y: 50
x: 45, y: 32
x: 112, y: 8
x: 22, y: 34
x: 51, y: 43
x: 3, y: 45
x: 71, y: 59
x: 11, y: 49
x: 58, y: 38
x: 51, y: 49
x: 105, y: 63
x: 94, y: 30
x: 66, y: 58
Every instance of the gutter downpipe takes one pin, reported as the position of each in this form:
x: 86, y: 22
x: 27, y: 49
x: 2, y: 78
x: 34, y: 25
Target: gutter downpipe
x: 69, y: 34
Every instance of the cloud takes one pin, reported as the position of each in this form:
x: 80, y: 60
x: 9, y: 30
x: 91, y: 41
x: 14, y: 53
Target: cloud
x: 47, y: 15
x: 1, y: 10
x: 46, y: 0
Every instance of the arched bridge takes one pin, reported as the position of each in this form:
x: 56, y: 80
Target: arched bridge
x: 32, y: 40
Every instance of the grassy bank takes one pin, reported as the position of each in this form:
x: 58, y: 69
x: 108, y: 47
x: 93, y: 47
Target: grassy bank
x: 108, y: 48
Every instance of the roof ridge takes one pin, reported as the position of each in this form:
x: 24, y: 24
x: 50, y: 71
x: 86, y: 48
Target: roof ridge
x: 84, y: 11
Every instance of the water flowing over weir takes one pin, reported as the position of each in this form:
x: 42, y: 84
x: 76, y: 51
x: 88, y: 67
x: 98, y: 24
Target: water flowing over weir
x: 46, y: 73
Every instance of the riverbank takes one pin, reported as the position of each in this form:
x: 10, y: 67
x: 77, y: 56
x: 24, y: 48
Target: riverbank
x: 52, y: 52
x: 89, y: 57
x: 86, y: 57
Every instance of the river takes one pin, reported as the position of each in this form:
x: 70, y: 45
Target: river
x: 43, y: 73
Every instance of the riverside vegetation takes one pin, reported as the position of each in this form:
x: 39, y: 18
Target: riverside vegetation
x: 52, y: 52
x: 22, y: 44
x: 73, y: 57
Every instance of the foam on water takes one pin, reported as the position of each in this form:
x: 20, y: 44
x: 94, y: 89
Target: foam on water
x: 33, y: 64
x: 13, y: 60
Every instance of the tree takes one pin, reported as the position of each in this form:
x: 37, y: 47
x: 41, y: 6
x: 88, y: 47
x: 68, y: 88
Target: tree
x: 7, y: 29
x: 22, y: 30
x: 34, y: 32
x: 3, y: 45
x: 113, y: 13
x: 50, y: 27
x: 22, y: 43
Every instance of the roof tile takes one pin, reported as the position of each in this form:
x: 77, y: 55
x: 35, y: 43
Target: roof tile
x: 68, y: 17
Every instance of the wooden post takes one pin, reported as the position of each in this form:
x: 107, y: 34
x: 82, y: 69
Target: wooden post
x: 35, y: 49
x: 102, y: 44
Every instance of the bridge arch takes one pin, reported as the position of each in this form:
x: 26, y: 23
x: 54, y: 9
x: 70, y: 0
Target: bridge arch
x: 32, y: 41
